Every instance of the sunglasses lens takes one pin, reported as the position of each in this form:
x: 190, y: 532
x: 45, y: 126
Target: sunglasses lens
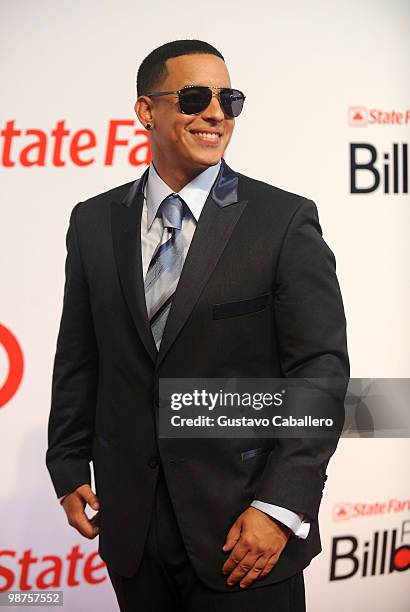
x: 232, y: 101
x: 193, y: 100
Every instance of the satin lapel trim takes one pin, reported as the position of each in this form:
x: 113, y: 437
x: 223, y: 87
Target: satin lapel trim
x: 126, y: 233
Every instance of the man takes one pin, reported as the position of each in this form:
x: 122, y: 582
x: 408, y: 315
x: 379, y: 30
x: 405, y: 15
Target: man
x: 194, y: 270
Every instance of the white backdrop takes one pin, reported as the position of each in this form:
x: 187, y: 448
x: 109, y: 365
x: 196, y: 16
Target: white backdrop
x: 303, y: 66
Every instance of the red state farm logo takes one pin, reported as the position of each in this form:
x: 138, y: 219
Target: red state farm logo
x: 357, y: 116
x: 16, y: 365
x: 63, y: 146
x: 360, y: 116
x: 342, y: 512
x: 26, y: 571
x: 345, y: 510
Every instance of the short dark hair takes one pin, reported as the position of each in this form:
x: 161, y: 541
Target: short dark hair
x: 153, y: 71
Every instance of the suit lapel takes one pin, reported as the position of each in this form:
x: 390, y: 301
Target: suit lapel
x: 216, y: 223
x: 126, y: 234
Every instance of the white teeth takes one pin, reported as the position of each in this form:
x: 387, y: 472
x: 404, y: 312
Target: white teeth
x: 207, y: 135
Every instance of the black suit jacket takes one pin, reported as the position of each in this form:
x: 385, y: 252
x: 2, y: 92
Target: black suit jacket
x: 257, y: 249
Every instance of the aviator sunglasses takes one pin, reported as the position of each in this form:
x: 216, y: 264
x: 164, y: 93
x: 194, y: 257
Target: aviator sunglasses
x: 193, y: 99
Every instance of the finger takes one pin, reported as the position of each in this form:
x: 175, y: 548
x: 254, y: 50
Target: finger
x: 272, y: 561
x: 95, y: 520
x: 233, y: 536
x: 236, y: 556
x: 242, y: 568
x: 255, y: 571
x: 84, y: 526
x: 90, y: 498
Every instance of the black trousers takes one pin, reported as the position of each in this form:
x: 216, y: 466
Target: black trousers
x: 166, y: 581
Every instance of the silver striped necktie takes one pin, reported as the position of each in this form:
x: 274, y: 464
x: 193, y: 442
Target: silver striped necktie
x: 165, y: 266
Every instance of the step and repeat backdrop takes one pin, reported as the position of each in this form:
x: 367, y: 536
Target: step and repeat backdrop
x: 327, y: 115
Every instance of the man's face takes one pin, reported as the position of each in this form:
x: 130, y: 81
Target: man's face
x: 176, y: 142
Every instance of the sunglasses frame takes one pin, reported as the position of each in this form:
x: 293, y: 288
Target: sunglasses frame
x: 214, y: 90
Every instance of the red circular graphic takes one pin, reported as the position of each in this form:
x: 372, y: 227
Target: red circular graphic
x: 16, y: 365
x: 402, y: 558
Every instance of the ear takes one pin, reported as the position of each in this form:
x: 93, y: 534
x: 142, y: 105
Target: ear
x: 143, y: 109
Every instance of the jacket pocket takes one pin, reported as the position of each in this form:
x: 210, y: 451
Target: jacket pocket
x: 254, y: 452
x: 233, y: 309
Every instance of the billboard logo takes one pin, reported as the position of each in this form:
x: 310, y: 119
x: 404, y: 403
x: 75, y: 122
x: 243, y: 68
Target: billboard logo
x: 377, y: 555
x: 370, y: 170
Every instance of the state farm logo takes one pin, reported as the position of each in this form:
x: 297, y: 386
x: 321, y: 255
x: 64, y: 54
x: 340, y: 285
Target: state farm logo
x: 341, y: 512
x: 15, y: 368
x: 361, y: 116
x: 345, y: 511
x: 26, y: 571
x: 61, y: 146
x: 357, y: 116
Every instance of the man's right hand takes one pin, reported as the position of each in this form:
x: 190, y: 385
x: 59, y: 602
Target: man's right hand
x: 74, y: 504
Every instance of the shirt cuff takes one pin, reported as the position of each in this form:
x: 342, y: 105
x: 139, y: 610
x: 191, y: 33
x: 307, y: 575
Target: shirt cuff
x: 295, y: 522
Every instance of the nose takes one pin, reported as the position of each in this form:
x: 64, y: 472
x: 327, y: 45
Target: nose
x: 214, y: 110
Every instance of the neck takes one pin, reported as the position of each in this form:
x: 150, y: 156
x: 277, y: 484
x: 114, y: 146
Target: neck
x: 176, y: 178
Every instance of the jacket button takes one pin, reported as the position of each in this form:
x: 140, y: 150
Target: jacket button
x: 153, y: 462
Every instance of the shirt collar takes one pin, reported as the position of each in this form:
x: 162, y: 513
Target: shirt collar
x: 194, y: 193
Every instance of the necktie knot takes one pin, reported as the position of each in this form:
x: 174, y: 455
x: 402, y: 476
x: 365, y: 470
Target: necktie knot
x: 172, y: 211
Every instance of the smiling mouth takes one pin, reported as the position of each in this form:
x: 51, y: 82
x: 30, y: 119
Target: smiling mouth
x: 207, y: 137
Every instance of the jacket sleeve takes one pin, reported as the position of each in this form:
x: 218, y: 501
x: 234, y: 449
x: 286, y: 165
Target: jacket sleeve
x: 74, y: 379
x: 311, y: 329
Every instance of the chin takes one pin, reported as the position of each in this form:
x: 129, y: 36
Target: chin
x: 207, y: 159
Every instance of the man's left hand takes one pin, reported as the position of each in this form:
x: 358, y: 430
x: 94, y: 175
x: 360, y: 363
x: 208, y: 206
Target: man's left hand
x: 256, y: 541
